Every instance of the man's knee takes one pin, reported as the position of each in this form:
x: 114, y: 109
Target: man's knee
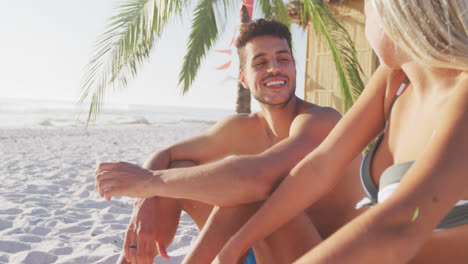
x: 197, y: 210
x: 240, y: 213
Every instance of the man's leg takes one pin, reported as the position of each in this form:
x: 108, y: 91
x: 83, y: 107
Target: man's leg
x: 161, y: 222
x: 220, y: 226
x: 289, y: 242
x: 285, y: 245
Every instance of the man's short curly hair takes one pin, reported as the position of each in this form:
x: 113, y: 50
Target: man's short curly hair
x: 258, y: 28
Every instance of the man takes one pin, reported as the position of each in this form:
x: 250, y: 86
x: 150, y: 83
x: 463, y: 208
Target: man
x: 263, y: 147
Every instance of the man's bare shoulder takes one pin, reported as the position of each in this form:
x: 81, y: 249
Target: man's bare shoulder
x: 240, y: 121
x: 315, y: 119
x: 237, y: 125
x: 309, y: 112
x: 239, y: 134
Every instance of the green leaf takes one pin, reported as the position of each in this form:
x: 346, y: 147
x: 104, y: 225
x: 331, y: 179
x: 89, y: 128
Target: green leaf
x: 415, y: 215
x: 276, y: 9
x: 281, y: 12
x: 202, y: 37
x: 265, y: 7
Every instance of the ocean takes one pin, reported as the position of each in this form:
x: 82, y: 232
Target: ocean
x: 29, y: 113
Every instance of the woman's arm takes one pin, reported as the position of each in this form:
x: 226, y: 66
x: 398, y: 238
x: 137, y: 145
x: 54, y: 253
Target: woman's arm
x: 394, y: 230
x: 315, y: 175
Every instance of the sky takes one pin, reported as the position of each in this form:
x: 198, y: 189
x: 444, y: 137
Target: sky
x: 46, y: 44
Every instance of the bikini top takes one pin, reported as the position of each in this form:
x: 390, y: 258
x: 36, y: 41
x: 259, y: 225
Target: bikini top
x: 392, y: 176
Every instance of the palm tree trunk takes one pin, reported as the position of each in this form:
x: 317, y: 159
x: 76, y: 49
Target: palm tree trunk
x: 243, y: 99
x: 243, y: 94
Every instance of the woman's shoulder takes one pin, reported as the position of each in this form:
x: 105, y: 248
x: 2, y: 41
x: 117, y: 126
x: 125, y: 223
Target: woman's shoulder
x: 384, y: 84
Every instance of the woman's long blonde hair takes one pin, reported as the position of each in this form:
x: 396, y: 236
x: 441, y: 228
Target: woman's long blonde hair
x: 433, y: 31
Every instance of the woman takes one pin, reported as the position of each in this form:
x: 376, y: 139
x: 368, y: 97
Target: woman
x: 418, y: 102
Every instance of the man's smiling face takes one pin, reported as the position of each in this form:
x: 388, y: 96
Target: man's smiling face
x: 269, y: 71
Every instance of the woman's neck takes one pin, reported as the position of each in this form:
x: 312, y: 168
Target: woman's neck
x: 427, y: 81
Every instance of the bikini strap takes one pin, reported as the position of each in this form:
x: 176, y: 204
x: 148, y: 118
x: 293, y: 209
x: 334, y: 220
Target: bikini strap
x: 366, y: 179
x: 402, y: 88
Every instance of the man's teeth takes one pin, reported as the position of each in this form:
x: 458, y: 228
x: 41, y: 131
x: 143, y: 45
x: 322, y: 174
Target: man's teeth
x: 275, y: 83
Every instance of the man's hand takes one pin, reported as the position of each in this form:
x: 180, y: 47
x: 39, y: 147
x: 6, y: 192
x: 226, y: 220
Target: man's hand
x: 123, y: 179
x: 143, y: 239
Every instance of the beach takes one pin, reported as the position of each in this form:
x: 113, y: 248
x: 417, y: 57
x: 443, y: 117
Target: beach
x: 50, y: 212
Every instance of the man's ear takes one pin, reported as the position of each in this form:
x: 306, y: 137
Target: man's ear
x: 242, y: 79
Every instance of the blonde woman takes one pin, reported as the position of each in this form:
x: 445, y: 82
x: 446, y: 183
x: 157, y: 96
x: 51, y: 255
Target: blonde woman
x: 417, y: 173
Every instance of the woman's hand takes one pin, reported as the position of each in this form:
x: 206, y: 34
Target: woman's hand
x: 123, y: 179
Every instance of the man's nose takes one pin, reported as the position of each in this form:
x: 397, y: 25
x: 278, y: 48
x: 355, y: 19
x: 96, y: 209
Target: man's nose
x: 274, y: 67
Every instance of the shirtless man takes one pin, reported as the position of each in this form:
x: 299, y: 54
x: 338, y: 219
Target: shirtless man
x: 196, y: 174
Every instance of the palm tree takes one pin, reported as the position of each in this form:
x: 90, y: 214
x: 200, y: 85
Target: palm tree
x: 132, y: 32
x: 243, y: 94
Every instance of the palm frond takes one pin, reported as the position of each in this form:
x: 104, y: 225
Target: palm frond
x: 266, y: 8
x: 203, y: 34
x: 124, y: 47
x: 341, y: 46
x: 224, y: 10
x: 281, y: 12
x: 276, y: 9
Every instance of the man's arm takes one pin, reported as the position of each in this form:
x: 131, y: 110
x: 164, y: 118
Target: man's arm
x: 154, y: 220
x: 226, y: 182
x: 218, y: 142
x: 216, y: 232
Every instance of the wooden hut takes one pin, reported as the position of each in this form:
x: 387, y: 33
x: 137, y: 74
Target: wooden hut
x: 321, y: 84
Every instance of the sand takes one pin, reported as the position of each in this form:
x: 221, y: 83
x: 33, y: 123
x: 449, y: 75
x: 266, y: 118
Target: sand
x: 49, y: 210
